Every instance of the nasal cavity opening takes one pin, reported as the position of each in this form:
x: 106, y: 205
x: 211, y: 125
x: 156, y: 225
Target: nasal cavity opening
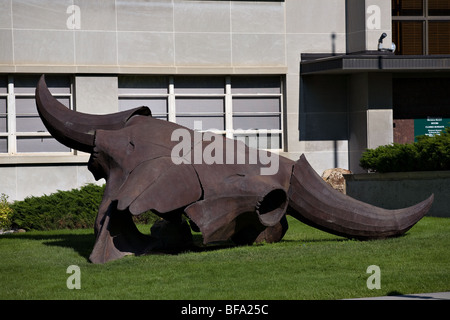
x: 273, y: 207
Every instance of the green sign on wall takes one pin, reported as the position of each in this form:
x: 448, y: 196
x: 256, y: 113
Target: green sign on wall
x: 430, y: 126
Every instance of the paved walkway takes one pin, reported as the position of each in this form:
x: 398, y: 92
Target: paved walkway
x: 416, y: 296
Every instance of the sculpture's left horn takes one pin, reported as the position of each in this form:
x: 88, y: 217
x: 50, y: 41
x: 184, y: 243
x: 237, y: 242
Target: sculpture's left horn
x: 75, y: 129
x: 314, y: 202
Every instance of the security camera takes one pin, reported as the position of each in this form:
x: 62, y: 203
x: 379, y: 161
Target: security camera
x: 380, y: 44
x: 383, y: 35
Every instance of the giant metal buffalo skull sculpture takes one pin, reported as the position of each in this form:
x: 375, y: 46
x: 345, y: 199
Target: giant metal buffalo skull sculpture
x: 133, y: 152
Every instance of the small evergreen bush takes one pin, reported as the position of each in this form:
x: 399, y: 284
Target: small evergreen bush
x: 427, y: 154
x: 72, y: 209
x: 5, y: 212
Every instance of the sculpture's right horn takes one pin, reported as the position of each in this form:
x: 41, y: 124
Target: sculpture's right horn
x: 315, y: 203
x: 75, y: 129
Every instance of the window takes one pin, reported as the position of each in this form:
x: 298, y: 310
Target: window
x: 421, y: 26
x: 408, y: 37
x: 200, y: 99
x: 135, y: 91
x: 407, y: 8
x: 256, y: 107
x: 239, y: 107
x: 439, y: 37
x: 21, y: 129
x: 438, y: 7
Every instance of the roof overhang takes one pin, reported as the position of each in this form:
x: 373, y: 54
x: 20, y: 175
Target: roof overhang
x: 371, y: 62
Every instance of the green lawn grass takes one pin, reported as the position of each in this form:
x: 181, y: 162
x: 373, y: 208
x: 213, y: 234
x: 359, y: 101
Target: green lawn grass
x: 307, y: 264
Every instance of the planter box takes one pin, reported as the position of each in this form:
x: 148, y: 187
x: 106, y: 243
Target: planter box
x: 396, y: 190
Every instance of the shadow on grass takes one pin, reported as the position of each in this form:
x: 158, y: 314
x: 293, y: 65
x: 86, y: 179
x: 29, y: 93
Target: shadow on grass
x: 84, y: 243
x: 81, y: 243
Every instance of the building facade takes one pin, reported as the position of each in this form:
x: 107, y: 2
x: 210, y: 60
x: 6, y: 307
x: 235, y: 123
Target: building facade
x: 308, y: 72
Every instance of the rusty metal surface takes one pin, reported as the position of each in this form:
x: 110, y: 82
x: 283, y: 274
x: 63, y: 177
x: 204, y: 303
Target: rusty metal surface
x: 76, y: 129
x: 226, y: 202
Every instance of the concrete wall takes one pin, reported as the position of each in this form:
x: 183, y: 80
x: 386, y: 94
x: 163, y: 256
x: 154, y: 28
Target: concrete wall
x: 324, y: 120
x: 402, y: 189
x: 21, y: 181
x: 96, y: 94
x: 141, y: 36
x: 312, y: 27
x: 366, y: 21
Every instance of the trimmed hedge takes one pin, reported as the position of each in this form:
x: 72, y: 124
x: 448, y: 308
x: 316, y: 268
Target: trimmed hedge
x: 427, y: 154
x: 72, y: 209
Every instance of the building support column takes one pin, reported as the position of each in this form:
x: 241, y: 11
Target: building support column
x: 370, y: 114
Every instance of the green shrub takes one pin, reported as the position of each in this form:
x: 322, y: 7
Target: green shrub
x: 427, y: 154
x: 72, y: 209
x: 5, y: 212
x: 434, y: 152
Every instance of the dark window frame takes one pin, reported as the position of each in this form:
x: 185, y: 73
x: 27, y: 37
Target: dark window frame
x: 425, y: 19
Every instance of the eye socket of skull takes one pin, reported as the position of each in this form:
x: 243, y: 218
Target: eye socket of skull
x: 271, y: 209
x: 96, y: 165
x: 109, y: 147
